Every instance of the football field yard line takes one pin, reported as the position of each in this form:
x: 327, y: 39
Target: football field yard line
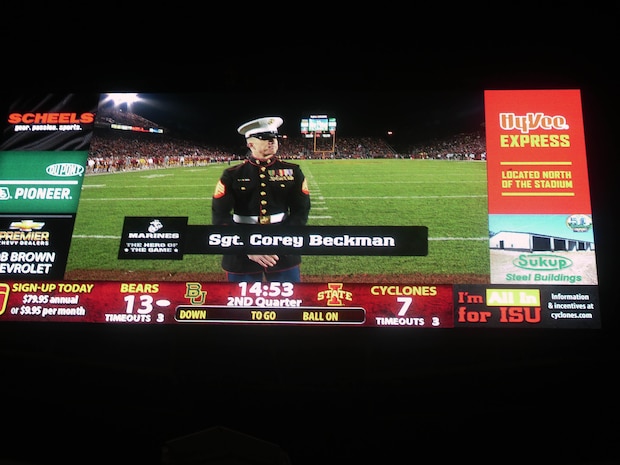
x: 405, y: 197
x: 96, y: 236
x: 356, y: 197
x: 129, y: 199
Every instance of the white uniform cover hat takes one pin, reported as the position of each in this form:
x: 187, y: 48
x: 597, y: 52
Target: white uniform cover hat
x: 268, y: 124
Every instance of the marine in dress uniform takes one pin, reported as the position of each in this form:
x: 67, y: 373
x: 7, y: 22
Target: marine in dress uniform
x: 261, y: 190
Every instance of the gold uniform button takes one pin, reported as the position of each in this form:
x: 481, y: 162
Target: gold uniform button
x: 263, y: 202
x: 263, y: 193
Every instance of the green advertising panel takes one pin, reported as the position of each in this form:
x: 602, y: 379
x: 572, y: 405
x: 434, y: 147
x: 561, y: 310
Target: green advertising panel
x: 41, y: 182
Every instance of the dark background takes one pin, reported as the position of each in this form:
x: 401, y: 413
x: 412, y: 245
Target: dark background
x: 100, y: 394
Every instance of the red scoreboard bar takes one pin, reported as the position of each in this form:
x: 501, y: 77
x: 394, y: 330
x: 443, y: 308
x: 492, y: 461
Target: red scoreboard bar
x: 217, y: 303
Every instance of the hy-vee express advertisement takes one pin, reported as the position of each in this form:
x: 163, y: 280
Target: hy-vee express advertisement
x: 484, y: 223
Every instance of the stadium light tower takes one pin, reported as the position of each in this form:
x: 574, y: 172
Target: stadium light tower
x: 126, y: 98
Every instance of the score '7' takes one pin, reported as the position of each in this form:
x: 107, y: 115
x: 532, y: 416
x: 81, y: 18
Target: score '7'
x: 406, y: 304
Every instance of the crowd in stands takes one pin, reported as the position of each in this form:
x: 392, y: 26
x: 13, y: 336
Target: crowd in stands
x: 121, y: 151
x: 329, y: 148
x: 116, y: 150
x: 463, y: 146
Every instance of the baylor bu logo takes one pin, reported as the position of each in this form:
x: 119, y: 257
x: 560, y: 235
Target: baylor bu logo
x: 334, y: 295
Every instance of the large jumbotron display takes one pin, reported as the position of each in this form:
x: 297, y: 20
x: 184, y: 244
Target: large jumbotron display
x: 434, y: 210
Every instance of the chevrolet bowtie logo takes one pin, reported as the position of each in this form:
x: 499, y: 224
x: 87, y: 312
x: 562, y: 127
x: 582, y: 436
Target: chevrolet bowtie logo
x: 26, y: 225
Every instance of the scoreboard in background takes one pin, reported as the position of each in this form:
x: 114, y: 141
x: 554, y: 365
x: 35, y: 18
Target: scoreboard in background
x: 542, y: 267
x: 318, y: 126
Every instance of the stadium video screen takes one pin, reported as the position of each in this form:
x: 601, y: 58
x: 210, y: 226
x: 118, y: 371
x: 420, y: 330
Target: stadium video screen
x: 426, y: 210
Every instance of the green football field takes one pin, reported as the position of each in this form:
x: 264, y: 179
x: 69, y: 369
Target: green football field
x: 449, y: 197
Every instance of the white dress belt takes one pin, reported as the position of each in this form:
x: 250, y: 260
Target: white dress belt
x: 276, y: 218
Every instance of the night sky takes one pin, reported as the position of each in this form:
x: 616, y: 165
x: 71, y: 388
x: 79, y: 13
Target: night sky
x: 410, y: 115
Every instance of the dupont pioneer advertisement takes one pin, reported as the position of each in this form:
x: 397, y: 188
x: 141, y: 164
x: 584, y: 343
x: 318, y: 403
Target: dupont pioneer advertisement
x: 439, y: 210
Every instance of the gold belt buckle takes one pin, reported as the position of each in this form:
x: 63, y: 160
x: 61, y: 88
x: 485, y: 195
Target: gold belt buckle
x: 264, y: 219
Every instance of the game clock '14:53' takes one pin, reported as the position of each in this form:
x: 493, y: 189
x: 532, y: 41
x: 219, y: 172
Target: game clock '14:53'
x: 271, y: 289
x: 276, y: 294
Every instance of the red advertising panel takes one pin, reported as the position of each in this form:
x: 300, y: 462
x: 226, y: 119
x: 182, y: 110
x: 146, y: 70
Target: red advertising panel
x: 536, y: 157
x: 540, y: 217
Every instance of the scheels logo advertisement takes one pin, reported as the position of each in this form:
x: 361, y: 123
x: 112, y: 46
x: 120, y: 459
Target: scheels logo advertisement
x: 50, y: 121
